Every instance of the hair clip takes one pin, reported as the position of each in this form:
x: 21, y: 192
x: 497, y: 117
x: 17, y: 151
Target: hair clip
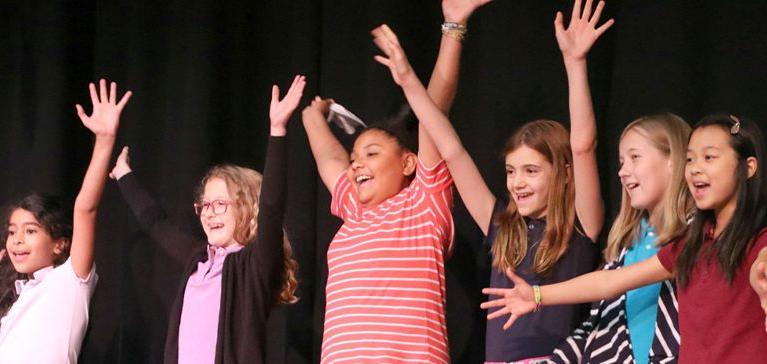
x: 735, y: 128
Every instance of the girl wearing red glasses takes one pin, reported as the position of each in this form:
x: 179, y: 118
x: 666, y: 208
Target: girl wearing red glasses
x: 234, y: 279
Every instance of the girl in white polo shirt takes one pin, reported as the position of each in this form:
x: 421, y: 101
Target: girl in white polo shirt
x: 54, y: 254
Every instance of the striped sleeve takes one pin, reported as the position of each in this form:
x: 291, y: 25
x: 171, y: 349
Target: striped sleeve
x: 343, y: 203
x: 437, y: 182
x: 433, y: 178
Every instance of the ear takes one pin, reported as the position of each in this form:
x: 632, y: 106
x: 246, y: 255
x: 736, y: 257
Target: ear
x: 752, y: 164
x: 409, y: 163
x: 59, y: 246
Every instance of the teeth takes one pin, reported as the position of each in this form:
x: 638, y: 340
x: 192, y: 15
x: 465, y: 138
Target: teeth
x: 363, y: 178
x: 631, y: 186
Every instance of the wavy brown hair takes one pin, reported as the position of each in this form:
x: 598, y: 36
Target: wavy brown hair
x: 552, y: 140
x: 668, y: 134
x: 244, y: 185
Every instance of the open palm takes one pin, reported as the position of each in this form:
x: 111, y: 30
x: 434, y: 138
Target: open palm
x: 395, y: 59
x: 576, y: 41
x: 280, y: 110
x: 105, y: 118
x: 515, y: 302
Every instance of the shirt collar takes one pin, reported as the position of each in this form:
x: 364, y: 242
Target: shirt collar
x: 37, y: 277
x: 218, y: 251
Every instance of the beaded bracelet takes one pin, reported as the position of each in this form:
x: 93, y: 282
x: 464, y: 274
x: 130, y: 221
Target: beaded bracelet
x: 454, y: 30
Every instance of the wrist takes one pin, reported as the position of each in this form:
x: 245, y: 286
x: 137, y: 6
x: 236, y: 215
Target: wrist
x: 278, y: 131
x: 571, y: 61
x: 537, y: 297
x: 455, y: 30
x: 122, y: 173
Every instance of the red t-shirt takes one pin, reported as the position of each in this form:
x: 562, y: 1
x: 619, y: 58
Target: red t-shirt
x: 719, y: 321
x: 386, y: 276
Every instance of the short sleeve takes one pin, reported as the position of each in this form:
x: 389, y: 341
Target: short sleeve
x: 669, y: 253
x: 435, y: 178
x: 343, y: 203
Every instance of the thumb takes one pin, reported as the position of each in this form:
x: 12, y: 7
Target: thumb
x: 514, y: 277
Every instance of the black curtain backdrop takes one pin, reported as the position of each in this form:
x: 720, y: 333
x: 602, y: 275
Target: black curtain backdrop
x: 201, y: 72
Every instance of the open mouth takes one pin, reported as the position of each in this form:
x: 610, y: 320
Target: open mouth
x: 700, y: 188
x: 523, y: 196
x: 215, y: 226
x: 631, y: 186
x: 363, y: 180
x: 19, y: 256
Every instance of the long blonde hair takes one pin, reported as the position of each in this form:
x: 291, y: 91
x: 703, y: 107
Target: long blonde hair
x: 668, y: 134
x: 244, y: 185
x: 552, y: 140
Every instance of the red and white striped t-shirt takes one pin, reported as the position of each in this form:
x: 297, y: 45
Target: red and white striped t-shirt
x: 385, y: 297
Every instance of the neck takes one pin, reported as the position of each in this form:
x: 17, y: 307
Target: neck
x: 723, y: 217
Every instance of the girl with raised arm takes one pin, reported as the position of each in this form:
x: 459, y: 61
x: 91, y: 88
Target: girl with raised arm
x: 548, y: 228
x: 385, y: 295
x: 233, y: 280
x: 53, y: 252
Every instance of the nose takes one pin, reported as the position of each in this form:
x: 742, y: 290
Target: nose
x: 692, y: 168
x: 355, y: 165
x: 623, y: 170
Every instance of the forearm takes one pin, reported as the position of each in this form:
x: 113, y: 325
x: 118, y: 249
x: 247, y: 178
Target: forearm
x: 95, y: 177
x: 444, y: 79
x: 582, y: 119
x: 604, y: 284
x: 433, y: 121
x: 329, y: 154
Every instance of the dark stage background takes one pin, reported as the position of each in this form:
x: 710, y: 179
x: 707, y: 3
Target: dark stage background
x: 201, y: 72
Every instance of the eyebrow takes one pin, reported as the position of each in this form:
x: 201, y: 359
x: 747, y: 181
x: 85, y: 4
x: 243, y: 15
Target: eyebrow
x: 706, y: 148
x: 524, y: 166
x: 32, y: 223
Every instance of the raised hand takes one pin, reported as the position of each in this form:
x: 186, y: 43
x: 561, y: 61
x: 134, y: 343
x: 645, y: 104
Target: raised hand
x: 122, y: 165
x: 318, y: 108
x: 395, y: 59
x: 280, y: 110
x: 459, y: 11
x: 759, y: 281
x: 516, y: 302
x: 105, y: 118
x: 576, y: 41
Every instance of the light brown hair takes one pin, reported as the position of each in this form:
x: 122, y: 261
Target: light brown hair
x: 510, y: 246
x: 244, y: 185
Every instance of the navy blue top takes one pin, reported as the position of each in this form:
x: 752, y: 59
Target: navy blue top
x: 538, y: 333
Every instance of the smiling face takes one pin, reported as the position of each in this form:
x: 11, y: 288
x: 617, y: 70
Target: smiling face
x: 218, y: 213
x: 711, y: 170
x: 29, y: 245
x: 380, y: 167
x: 528, y: 173
x: 645, y: 171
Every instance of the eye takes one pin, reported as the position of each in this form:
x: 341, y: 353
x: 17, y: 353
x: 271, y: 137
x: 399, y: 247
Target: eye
x: 11, y: 232
x: 634, y: 156
x: 689, y: 159
x: 531, y: 171
x: 371, y: 154
x: 31, y: 231
x: 510, y: 172
x: 709, y: 157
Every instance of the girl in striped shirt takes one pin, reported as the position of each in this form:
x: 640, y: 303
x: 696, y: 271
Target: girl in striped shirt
x: 385, y: 294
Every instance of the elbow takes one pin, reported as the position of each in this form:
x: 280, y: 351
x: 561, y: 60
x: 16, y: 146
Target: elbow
x: 583, y: 147
x: 85, y: 208
x: 453, y: 153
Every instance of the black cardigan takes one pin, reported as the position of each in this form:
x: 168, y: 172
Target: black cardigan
x: 252, y: 277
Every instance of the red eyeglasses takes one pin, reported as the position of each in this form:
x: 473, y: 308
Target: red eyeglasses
x: 217, y: 206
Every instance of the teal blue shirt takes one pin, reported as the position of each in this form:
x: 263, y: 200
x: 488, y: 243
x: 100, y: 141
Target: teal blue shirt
x: 642, y: 303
